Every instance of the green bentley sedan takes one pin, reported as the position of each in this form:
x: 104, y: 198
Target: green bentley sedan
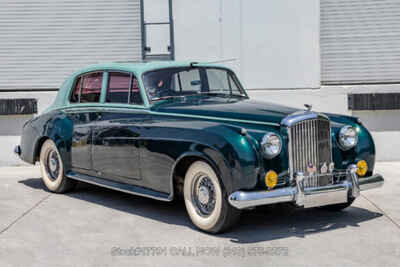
x: 166, y: 130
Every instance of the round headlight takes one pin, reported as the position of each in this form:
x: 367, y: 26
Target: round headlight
x: 271, y: 145
x: 348, y: 137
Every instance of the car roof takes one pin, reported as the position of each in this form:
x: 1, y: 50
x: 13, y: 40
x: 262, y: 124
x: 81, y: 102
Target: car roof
x: 136, y: 67
x: 141, y: 67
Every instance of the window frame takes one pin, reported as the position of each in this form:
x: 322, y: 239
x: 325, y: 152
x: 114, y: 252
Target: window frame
x: 104, y: 87
x: 235, y: 79
x: 80, y: 88
x: 132, y: 76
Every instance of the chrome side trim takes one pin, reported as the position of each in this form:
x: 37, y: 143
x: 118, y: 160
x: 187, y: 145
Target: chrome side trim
x: 134, y: 108
x: 213, y: 118
x: 126, y: 188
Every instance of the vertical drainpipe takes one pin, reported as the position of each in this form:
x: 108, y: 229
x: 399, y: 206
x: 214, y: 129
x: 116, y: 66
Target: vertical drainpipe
x: 241, y: 40
x: 143, y: 30
x: 171, y: 31
x: 221, y: 53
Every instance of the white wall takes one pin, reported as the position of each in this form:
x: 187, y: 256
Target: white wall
x: 275, y: 43
x: 384, y: 125
x: 11, y: 126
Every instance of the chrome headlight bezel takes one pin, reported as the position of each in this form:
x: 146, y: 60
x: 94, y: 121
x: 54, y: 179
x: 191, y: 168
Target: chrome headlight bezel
x: 345, y: 139
x: 267, y: 141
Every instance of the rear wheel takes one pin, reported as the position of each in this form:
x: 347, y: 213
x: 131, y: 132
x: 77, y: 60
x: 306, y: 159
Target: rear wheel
x: 205, y: 199
x: 52, y: 168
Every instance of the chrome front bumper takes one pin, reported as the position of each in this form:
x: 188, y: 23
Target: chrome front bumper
x: 308, y: 197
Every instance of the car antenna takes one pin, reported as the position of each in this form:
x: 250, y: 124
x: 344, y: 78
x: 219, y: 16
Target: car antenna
x: 222, y: 60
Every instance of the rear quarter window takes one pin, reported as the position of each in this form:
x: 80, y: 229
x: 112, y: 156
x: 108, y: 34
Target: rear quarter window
x: 87, y: 88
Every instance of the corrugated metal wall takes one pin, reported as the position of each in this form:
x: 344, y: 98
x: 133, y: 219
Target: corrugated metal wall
x: 43, y: 41
x: 360, y: 41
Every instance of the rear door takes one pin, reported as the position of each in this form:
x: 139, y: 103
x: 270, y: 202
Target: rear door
x: 87, y: 90
x: 115, y: 149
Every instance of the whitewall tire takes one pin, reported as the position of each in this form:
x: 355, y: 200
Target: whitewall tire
x: 52, y: 168
x: 206, y: 200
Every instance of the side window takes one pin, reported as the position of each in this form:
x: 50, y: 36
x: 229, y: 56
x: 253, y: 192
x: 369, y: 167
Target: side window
x: 136, y: 97
x: 119, y: 85
x: 76, y: 91
x: 217, y: 80
x: 221, y: 80
x: 91, y: 87
x: 186, y: 81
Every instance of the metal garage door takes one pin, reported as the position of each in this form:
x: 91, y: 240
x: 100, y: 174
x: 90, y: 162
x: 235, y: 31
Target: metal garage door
x: 42, y: 41
x: 360, y: 41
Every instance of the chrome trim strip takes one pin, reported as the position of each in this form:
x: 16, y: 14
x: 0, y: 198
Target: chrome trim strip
x: 301, y: 116
x: 125, y: 109
x: 215, y: 118
x: 126, y: 188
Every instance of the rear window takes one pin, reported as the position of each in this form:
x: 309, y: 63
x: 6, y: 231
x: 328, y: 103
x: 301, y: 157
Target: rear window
x: 87, y: 88
x: 123, y: 88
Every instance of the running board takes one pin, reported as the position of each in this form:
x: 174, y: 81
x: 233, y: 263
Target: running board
x: 126, y: 188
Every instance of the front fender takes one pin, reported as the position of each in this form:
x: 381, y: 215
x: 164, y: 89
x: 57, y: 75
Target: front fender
x: 234, y: 156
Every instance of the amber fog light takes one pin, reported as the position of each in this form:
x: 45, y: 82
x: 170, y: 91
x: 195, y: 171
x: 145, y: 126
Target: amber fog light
x: 362, y: 167
x: 271, y: 179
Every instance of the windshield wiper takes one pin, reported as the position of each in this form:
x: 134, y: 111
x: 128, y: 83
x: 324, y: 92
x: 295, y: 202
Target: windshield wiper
x: 220, y: 94
x: 167, y: 97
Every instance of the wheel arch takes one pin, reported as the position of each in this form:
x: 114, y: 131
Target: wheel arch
x: 38, y: 146
x: 183, y: 163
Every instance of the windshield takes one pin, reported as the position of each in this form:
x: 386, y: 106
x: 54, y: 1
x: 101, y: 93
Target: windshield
x: 181, y: 82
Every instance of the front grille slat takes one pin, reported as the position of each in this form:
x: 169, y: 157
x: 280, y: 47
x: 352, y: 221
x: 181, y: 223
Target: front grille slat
x: 310, y: 145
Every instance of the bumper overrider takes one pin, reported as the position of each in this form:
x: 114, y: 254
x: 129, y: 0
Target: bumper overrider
x: 309, y: 197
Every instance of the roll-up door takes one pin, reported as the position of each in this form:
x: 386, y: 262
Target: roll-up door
x: 360, y: 41
x: 41, y: 42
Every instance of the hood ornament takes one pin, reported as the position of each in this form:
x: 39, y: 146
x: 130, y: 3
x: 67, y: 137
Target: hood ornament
x: 308, y: 107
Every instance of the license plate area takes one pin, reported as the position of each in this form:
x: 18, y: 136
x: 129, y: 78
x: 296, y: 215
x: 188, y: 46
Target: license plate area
x: 325, y: 197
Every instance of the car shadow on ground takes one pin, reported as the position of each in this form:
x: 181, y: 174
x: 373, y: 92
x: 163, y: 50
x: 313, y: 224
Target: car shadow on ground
x: 261, y: 224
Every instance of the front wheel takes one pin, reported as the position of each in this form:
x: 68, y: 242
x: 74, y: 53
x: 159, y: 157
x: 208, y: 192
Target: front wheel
x: 206, y: 201
x: 52, y: 168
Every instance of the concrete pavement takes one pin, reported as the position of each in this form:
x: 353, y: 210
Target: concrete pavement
x: 93, y: 226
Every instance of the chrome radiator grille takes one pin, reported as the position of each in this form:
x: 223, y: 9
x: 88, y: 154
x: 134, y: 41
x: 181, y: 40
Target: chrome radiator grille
x: 310, y: 150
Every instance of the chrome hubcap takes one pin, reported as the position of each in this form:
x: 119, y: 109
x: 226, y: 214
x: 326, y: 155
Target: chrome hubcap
x: 203, y: 195
x: 53, y: 164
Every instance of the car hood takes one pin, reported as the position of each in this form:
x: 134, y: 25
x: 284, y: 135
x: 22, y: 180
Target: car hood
x: 240, y: 109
